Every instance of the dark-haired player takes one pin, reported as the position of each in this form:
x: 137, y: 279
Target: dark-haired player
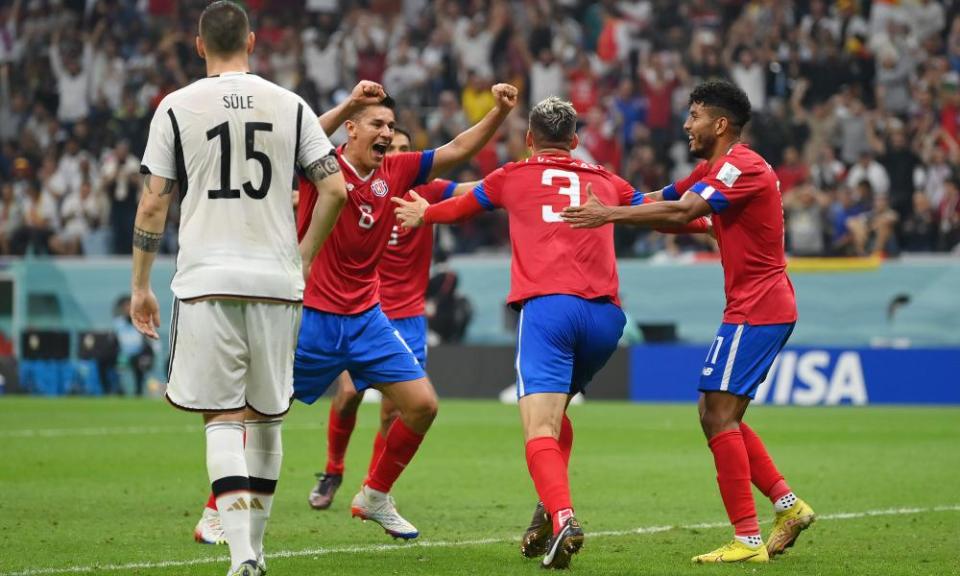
x: 566, y: 286
x: 741, y: 192
x: 343, y: 326
x: 229, y: 144
x: 404, y: 273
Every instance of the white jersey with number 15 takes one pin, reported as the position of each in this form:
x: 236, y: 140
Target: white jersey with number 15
x: 232, y: 143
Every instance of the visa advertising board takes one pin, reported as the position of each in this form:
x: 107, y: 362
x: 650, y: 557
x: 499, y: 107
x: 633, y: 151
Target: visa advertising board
x: 809, y: 376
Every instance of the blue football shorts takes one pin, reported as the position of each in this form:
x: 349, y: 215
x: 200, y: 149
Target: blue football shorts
x: 562, y: 341
x: 741, y: 356
x: 367, y: 345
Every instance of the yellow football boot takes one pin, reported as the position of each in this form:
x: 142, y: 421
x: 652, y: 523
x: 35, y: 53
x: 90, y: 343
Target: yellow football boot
x: 735, y: 551
x: 788, y: 525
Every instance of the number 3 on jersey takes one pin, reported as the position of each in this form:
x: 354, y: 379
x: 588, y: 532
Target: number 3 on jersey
x: 572, y: 190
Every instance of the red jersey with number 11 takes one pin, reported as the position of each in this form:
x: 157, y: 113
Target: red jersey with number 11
x: 550, y: 257
x: 744, y: 194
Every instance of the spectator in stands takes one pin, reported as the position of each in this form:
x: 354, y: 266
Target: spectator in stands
x: 631, y: 108
x: 893, y: 81
x: 547, y: 77
x: 941, y: 154
x: 13, y: 107
x: 10, y: 216
x: 323, y: 58
x: 806, y: 221
x: 75, y: 167
x: 948, y: 214
x: 405, y: 75
x: 792, y: 171
x: 919, y: 230
x: 80, y: 213
x: 749, y: 73
x: 821, y: 74
x: 851, y: 120
x: 904, y: 168
x: 121, y: 184
x: 74, y: 85
x: 827, y: 173
x: 843, y: 207
x: 476, y: 99
x: 873, y: 232
x: 582, y: 85
x: 867, y: 169
x: 447, y: 120
x: 38, y: 225
x: 472, y: 43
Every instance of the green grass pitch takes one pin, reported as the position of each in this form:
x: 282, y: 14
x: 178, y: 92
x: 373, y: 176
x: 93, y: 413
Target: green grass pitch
x: 115, y: 487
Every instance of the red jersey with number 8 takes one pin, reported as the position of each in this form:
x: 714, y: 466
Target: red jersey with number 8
x: 550, y: 257
x: 343, y: 276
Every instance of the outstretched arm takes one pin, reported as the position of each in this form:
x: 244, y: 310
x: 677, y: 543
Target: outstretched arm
x: 471, y: 140
x: 364, y: 94
x: 147, y: 235
x: 56, y: 62
x: 665, y: 214
x: 465, y: 187
x: 417, y: 212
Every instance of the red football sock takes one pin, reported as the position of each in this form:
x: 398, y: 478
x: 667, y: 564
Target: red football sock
x: 549, y: 472
x: 733, y: 477
x: 339, y: 430
x: 379, y: 443
x: 763, y: 472
x: 400, y: 445
x: 566, y: 439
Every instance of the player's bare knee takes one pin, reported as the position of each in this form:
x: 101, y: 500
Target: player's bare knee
x: 387, y: 418
x: 713, y: 423
x: 420, y: 415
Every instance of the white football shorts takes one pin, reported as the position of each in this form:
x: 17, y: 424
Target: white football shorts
x: 226, y: 355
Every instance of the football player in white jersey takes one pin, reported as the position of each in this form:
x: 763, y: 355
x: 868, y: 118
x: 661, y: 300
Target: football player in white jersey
x: 229, y: 145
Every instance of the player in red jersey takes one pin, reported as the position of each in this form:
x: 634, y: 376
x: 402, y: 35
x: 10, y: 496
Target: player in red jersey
x: 343, y: 325
x: 741, y: 192
x: 565, y: 284
x: 404, y: 273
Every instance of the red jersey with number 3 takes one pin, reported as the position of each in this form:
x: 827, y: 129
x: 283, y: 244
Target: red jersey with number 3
x: 744, y: 194
x: 550, y: 257
x: 343, y: 277
x: 405, y: 266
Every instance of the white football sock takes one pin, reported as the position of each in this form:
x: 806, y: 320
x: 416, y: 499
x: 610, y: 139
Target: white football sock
x: 264, y: 453
x: 785, y: 502
x: 227, y: 468
x: 751, y: 541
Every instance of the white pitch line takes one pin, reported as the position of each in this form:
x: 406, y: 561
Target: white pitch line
x: 447, y: 543
x: 123, y: 431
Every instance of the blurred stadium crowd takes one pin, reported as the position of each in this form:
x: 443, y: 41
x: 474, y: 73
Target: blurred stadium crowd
x: 857, y: 104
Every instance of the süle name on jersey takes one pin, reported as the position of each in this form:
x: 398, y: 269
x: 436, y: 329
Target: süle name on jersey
x: 237, y: 102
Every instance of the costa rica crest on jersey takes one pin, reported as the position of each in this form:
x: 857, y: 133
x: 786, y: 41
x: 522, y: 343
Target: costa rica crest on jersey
x: 379, y: 187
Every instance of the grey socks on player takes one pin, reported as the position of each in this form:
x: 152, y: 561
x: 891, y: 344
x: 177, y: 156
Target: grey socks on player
x: 230, y: 481
x: 264, y: 454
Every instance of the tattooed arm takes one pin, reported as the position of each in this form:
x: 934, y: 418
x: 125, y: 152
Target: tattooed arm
x: 331, y: 195
x: 147, y: 234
